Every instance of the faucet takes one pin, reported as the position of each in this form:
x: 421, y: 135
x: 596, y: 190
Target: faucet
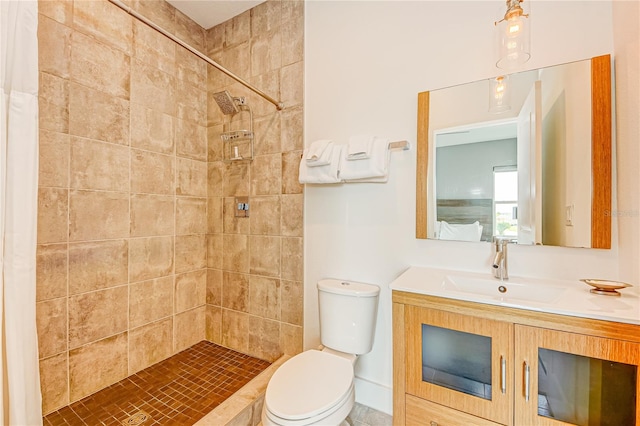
x: 500, y: 269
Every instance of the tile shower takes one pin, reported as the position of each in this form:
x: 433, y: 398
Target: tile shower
x: 139, y: 254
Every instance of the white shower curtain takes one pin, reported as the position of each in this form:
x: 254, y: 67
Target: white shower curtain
x: 19, y: 372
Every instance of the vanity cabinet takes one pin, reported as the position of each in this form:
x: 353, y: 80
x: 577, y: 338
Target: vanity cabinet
x: 459, y: 363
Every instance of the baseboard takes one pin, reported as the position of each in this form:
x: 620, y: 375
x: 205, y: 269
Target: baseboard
x: 374, y: 395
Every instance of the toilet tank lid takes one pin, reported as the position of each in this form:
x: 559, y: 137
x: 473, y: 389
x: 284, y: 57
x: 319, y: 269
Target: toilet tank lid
x: 350, y: 288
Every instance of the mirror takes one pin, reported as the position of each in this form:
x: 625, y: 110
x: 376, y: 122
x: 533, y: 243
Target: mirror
x: 538, y: 173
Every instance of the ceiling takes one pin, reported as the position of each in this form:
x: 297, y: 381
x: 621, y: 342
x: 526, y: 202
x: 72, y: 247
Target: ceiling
x: 209, y: 13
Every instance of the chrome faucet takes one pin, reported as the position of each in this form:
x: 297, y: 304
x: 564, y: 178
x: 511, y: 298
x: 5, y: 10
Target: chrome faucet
x: 500, y: 269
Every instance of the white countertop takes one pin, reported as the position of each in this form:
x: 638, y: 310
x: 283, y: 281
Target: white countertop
x: 571, y: 298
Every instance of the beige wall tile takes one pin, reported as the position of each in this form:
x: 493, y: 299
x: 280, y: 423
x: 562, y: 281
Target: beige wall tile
x: 153, y: 130
x: 235, y: 253
x: 237, y: 180
x: 292, y: 84
x: 264, y: 339
x: 51, y: 321
x: 150, y: 258
x: 266, y: 52
x: 291, y: 130
x: 191, y: 215
x: 191, y: 140
x: 106, y: 22
x: 293, y: 10
x: 98, y: 215
x: 54, y: 47
x: 98, y: 115
x: 235, y: 291
x: 292, y: 220
x: 292, y: 259
x: 152, y: 215
x: 150, y: 344
x: 292, y: 41
x: 54, y: 380
x: 192, y: 177
x: 150, y: 301
x: 236, y: 57
x: 188, y: 31
x: 214, y: 39
x: 53, y: 167
x: 214, y: 251
x: 266, y: 175
x: 269, y: 82
x: 291, y: 172
x: 267, y: 134
x: 265, y: 256
x: 290, y: 339
x: 238, y: 29
x: 189, y: 328
x: 98, y: 66
x: 152, y: 173
x: 291, y: 302
x: 214, y: 143
x: 214, y: 215
x: 96, y: 315
x: 191, y: 252
x: 191, y: 103
x: 153, y: 48
x: 51, y: 271
x: 215, y: 179
x: 265, y: 215
x: 235, y: 330
x: 53, y: 103
x: 96, y: 265
x: 214, y: 287
x: 264, y: 297
x: 53, y: 215
x: 99, y: 165
x: 214, y: 324
x: 191, y: 69
x: 266, y: 17
x: 59, y: 10
x: 161, y: 13
x: 232, y: 224
x: 152, y: 88
x: 110, y: 354
x: 190, y: 290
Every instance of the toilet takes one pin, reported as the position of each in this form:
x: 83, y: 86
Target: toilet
x: 316, y: 387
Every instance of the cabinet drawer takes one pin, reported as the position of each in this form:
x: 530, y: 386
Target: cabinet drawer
x: 421, y: 412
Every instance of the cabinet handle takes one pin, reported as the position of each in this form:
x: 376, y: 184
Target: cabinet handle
x: 503, y: 374
x: 526, y: 381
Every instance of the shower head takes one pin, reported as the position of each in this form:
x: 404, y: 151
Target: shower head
x: 226, y: 102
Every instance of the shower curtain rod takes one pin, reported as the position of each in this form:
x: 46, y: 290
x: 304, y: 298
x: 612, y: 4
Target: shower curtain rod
x: 279, y: 105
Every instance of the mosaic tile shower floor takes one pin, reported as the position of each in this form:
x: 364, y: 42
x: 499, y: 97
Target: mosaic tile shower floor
x: 177, y: 391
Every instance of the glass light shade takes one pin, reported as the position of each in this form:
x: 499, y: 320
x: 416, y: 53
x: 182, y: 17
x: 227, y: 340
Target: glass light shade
x: 513, y: 34
x: 499, y: 94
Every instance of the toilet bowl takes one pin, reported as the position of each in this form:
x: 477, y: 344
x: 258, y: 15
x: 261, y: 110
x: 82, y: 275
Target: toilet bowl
x: 317, y: 387
x: 312, y: 388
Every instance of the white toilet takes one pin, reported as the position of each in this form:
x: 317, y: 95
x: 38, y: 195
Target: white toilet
x: 316, y: 387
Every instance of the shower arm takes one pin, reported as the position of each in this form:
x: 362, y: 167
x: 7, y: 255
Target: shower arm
x: 279, y: 105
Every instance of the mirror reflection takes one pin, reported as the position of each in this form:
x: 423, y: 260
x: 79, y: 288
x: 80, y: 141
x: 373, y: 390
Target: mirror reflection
x: 524, y: 157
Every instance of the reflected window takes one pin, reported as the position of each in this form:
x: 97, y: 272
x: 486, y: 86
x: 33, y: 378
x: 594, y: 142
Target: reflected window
x: 505, y: 201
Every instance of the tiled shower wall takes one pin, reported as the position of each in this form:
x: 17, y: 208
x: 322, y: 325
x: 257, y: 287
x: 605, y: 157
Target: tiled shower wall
x: 254, y: 285
x: 138, y: 256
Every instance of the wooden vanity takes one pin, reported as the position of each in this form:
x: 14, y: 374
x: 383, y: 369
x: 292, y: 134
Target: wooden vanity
x: 460, y: 363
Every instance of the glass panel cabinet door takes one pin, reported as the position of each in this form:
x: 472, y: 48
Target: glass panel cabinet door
x: 574, y: 379
x: 460, y: 361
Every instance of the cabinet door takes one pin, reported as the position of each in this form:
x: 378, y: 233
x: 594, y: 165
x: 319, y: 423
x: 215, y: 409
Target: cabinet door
x: 421, y: 412
x: 574, y: 379
x: 460, y: 362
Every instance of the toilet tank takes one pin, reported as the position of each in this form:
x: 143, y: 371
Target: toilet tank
x: 348, y: 312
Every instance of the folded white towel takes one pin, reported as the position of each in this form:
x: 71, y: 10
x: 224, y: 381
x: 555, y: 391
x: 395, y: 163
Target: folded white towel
x: 319, y: 153
x: 321, y: 174
x: 377, y: 166
x: 359, y: 147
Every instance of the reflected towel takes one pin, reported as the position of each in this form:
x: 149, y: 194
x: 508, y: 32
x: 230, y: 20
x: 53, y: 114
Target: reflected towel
x: 319, y: 153
x: 377, y: 166
x: 321, y: 174
x: 359, y: 147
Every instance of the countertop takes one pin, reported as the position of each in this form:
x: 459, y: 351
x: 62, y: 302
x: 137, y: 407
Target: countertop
x: 571, y: 298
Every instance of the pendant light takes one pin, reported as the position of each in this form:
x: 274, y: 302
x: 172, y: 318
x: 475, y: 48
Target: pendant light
x: 499, y: 94
x: 513, y: 34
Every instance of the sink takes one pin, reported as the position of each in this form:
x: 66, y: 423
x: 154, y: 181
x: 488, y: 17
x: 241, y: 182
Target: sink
x: 503, y: 290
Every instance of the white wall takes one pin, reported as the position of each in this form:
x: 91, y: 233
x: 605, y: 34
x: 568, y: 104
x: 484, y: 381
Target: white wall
x: 365, y: 62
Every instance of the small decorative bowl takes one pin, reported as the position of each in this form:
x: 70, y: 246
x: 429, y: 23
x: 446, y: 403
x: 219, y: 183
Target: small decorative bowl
x: 605, y: 287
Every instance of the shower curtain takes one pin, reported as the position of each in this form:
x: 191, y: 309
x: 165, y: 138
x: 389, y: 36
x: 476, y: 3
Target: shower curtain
x: 19, y: 371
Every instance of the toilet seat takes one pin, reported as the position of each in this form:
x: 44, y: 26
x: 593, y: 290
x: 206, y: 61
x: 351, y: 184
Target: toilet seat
x: 310, y: 385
